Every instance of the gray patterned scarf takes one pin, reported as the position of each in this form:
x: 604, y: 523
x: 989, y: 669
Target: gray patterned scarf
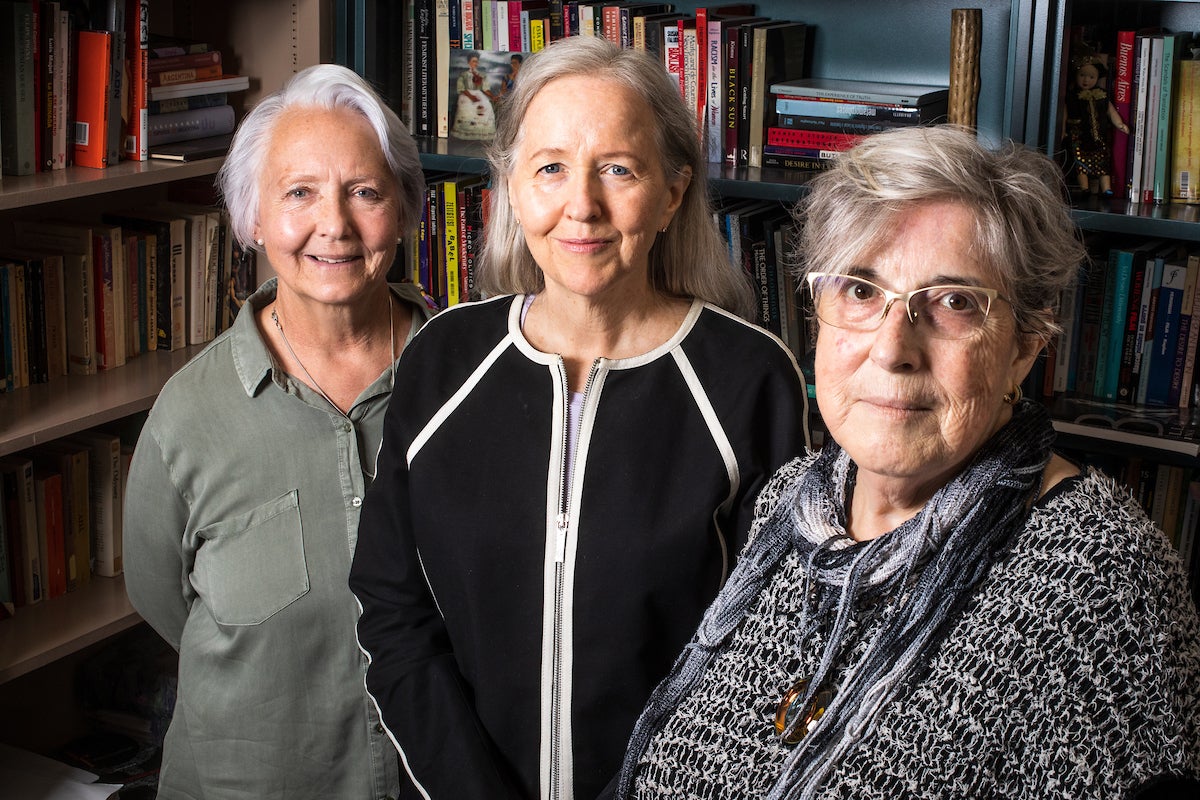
x: 924, y: 570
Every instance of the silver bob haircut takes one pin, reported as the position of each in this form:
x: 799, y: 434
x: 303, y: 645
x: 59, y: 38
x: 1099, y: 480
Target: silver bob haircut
x: 1023, y: 229
x: 326, y: 86
x: 690, y: 259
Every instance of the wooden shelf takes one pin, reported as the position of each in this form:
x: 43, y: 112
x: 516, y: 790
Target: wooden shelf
x: 72, y: 403
x: 51, y: 629
x: 76, y: 182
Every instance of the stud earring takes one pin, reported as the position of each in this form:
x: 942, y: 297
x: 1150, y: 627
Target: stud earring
x: 258, y: 242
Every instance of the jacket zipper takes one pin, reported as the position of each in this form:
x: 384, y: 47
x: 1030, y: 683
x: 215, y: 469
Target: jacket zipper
x: 562, y: 528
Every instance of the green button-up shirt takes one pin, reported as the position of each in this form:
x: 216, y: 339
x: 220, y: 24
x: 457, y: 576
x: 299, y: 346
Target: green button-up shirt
x: 241, y: 516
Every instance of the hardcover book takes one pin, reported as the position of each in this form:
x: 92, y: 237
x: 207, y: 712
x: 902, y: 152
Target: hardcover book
x: 854, y: 91
x: 780, y: 53
x: 92, y: 95
x: 18, y: 121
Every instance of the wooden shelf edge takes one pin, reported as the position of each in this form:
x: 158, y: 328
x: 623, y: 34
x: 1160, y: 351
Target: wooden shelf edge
x: 72, y: 403
x: 40, y: 634
x: 74, y: 182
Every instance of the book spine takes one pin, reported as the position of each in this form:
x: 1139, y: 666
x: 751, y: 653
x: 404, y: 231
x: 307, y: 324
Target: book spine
x: 18, y: 99
x: 56, y: 326
x: 33, y: 562
x: 136, y: 143
x: 1153, y: 98
x: 850, y: 111
x: 1166, y: 334
x: 732, y: 48
x: 714, y: 113
x: 1120, y: 264
x: 47, y: 65
x: 1193, y: 338
x: 91, y: 99
x: 1185, y: 143
x: 1126, y: 385
x: 48, y: 494
x: 171, y: 77
x: 787, y: 161
x: 441, y: 55
x: 1122, y: 97
x: 449, y: 193
x: 801, y: 137
x: 1137, y: 150
x: 1167, y: 91
x: 182, y: 126
x: 833, y: 124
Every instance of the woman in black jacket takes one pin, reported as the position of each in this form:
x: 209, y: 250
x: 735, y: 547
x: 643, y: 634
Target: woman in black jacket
x: 573, y: 468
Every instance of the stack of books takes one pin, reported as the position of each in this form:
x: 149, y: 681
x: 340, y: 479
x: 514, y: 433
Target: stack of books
x: 190, y: 115
x: 817, y: 118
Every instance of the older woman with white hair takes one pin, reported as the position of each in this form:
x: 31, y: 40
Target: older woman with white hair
x: 243, y: 496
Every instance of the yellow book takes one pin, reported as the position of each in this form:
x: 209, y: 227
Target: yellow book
x: 1185, y: 148
x: 450, y: 240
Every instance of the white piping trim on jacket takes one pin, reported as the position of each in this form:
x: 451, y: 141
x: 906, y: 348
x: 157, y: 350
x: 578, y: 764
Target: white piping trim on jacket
x: 379, y: 712
x: 721, y: 440
x: 455, y: 400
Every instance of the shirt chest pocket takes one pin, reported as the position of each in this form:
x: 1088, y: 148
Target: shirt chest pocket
x: 252, y: 566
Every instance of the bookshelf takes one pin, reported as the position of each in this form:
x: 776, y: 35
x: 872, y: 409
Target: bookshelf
x: 41, y: 645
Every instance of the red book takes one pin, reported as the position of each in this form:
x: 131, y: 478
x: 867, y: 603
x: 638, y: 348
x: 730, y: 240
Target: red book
x: 825, y: 140
x: 51, y: 524
x: 1122, y: 100
x: 91, y: 146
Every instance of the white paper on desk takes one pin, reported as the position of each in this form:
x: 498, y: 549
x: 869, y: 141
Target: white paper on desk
x: 29, y: 776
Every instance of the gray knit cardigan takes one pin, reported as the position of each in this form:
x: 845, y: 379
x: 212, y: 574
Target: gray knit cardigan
x: 1073, y: 672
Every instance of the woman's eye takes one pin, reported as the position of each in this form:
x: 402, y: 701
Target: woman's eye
x: 297, y: 193
x: 958, y: 301
x: 617, y: 169
x: 860, y: 291
x: 550, y: 169
x: 366, y: 193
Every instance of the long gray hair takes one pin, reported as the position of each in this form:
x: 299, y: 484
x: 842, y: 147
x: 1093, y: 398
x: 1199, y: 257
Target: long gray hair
x: 690, y: 259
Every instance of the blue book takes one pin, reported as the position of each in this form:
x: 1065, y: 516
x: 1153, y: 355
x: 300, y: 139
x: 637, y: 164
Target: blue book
x: 1166, y: 332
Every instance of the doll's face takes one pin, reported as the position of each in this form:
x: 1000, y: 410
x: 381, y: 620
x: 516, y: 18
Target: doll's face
x: 1087, y: 76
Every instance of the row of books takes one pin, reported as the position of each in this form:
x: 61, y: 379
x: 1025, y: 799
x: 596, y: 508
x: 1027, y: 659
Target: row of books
x: 60, y: 517
x: 81, y: 296
x: 78, y: 86
x: 817, y: 118
x: 1130, y: 331
x: 1159, y: 83
x: 723, y: 57
x: 188, y: 94
x: 759, y: 235
x: 1150, y: 79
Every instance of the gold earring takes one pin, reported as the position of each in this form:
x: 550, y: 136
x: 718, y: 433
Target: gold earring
x: 1013, y: 396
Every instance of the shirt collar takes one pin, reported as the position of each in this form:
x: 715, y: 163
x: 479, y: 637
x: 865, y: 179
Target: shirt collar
x: 251, y: 358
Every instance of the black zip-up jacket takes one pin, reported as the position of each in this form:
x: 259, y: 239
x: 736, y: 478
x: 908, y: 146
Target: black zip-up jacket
x: 515, y: 623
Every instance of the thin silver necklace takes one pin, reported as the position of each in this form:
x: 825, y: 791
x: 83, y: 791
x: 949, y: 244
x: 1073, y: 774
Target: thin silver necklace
x: 313, y: 381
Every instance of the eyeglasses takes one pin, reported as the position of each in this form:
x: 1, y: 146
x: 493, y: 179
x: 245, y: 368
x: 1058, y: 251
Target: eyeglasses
x: 856, y: 304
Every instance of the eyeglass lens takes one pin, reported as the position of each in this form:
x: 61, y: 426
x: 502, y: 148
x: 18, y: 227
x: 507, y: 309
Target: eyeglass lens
x: 947, y: 312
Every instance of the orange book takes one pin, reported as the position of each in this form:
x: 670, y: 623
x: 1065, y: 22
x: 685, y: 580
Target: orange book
x: 91, y: 100
x: 170, y: 77
x: 135, y: 144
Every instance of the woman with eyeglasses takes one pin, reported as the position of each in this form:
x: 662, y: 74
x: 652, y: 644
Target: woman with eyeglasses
x: 936, y: 604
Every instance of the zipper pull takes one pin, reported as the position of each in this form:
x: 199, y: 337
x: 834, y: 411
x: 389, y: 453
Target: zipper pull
x: 560, y: 543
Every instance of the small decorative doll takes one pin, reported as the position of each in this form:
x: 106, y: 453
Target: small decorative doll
x: 1089, y: 120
